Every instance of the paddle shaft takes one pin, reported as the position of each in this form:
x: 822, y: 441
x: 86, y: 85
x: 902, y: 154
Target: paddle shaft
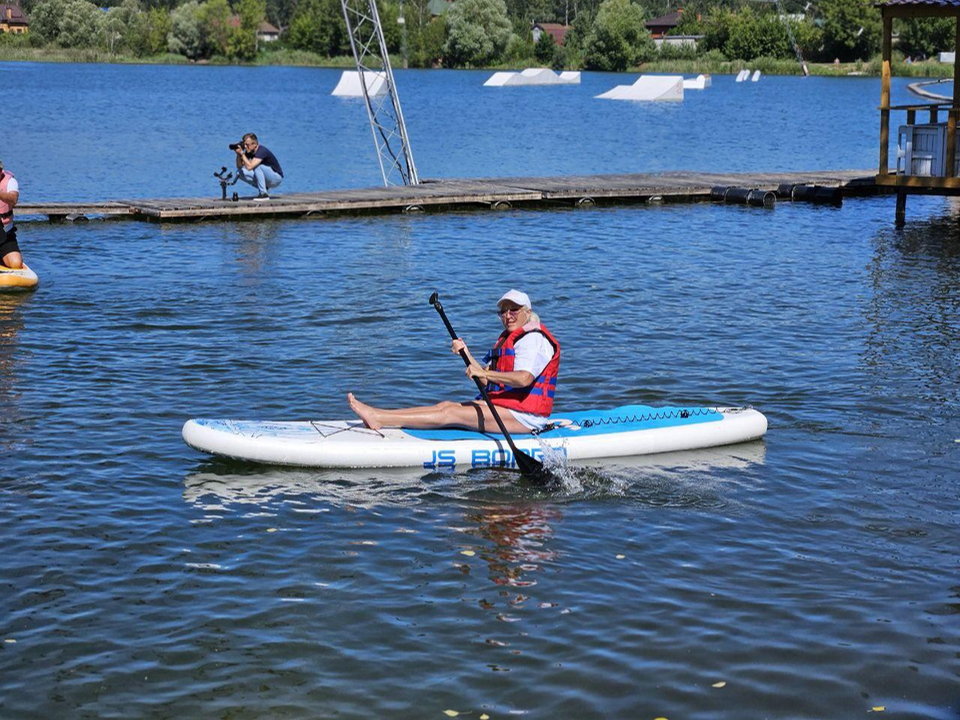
x: 533, y: 467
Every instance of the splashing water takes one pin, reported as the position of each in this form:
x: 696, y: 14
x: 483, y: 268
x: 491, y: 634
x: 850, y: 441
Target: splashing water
x: 579, y: 480
x: 555, y: 461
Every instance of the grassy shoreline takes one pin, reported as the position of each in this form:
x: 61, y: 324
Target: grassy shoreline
x: 281, y: 57
x: 774, y: 66
x: 300, y: 58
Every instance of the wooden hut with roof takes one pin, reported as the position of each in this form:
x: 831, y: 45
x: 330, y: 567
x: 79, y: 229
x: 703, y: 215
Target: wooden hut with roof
x: 12, y: 19
x: 927, y: 159
x: 665, y: 24
x: 557, y: 30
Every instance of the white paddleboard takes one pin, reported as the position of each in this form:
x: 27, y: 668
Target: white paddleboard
x: 587, y: 435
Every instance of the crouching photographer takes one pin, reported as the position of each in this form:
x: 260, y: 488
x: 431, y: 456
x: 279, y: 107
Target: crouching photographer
x: 257, y: 166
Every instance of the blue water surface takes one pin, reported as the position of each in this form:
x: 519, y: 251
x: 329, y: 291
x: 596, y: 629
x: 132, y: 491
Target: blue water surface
x: 810, y: 575
x: 97, y: 132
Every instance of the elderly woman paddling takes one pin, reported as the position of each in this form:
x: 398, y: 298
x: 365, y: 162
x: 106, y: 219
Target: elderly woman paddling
x: 520, y: 371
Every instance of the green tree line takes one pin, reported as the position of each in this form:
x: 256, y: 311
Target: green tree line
x: 193, y: 29
x: 604, y: 34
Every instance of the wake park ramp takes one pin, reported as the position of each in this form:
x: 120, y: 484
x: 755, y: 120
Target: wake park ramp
x: 532, y: 76
x: 700, y: 82
x: 349, y: 85
x: 662, y: 88
x: 745, y: 76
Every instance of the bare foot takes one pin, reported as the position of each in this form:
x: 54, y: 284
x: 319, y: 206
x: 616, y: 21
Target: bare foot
x: 364, y: 412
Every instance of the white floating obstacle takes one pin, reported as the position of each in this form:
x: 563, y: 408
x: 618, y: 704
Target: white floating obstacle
x: 532, y: 76
x: 668, y: 88
x: 756, y: 76
x: 743, y: 75
x: 698, y: 83
x: 349, y: 85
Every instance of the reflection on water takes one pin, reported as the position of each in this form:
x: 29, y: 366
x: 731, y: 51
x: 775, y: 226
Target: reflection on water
x: 255, y: 246
x: 520, y: 536
x: 223, y: 485
x: 914, y: 311
x: 11, y: 325
x: 669, y: 479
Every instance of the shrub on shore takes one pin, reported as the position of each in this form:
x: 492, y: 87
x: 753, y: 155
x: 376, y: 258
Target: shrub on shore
x: 619, y: 38
x: 478, y: 32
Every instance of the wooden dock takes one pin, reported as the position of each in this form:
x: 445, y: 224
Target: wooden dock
x: 456, y: 195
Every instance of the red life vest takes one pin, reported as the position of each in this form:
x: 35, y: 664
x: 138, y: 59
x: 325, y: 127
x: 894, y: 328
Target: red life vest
x: 6, y: 212
x: 537, y: 398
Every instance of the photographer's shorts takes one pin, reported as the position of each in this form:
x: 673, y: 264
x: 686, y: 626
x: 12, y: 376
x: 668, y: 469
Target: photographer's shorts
x: 8, y: 244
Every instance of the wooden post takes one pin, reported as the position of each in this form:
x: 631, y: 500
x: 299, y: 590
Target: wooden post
x: 911, y: 117
x: 934, y: 115
x: 901, y: 207
x: 950, y: 170
x: 885, y: 91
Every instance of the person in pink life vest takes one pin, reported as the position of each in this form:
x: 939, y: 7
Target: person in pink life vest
x: 520, y: 371
x: 9, y: 196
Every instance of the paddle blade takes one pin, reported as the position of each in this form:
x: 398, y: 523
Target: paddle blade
x: 532, y: 469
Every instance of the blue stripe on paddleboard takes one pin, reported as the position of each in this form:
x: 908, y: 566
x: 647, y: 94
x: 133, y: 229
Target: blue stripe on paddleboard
x: 627, y: 418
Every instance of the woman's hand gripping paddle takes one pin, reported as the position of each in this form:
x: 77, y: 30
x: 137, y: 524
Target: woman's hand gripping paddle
x: 528, y: 466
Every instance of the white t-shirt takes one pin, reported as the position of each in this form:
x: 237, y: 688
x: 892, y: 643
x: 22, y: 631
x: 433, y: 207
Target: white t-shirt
x: 533, y: 352
x: 12, y: 186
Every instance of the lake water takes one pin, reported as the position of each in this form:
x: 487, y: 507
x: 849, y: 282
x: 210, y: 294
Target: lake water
x: 813, y: 575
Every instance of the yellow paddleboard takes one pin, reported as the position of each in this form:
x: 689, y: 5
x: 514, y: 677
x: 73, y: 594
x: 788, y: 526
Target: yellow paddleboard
x: 21, y: 279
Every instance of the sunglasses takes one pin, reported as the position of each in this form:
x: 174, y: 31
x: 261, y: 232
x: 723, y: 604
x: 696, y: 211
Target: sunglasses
x: 510, y: 311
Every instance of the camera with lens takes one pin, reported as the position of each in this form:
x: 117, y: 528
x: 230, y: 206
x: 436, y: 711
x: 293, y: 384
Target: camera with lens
x: 236, y: 146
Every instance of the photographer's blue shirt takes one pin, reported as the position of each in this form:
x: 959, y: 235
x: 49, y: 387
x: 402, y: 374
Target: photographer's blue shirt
x: 268, y: 158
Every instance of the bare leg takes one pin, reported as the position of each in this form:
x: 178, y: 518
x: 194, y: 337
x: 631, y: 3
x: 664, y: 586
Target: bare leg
x: 443, y: 414
x: 13, y: 260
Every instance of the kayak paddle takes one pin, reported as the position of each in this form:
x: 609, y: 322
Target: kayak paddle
x: 528, y: 466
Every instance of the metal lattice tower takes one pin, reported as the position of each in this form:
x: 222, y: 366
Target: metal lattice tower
x: 383, y: 110
x: 793, y: 40
x: 785, y: 19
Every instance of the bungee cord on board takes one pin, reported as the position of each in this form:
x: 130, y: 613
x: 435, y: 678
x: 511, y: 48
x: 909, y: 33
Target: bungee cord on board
x: 642, y: 418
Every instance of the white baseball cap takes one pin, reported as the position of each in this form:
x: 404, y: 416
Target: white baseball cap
x: 516, y: 297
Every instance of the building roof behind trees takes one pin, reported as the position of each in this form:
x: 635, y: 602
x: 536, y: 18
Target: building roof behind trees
x: 665, y: 22
x: 12, y: 14
x: 264, y: 28
x: 556, y: 30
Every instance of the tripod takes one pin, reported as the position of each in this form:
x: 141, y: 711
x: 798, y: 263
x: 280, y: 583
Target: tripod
x: 224, y: 176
